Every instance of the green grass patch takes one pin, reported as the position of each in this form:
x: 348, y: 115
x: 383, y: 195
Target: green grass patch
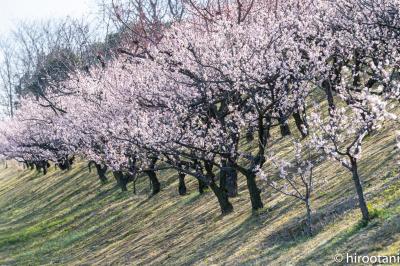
x: 28, y: 233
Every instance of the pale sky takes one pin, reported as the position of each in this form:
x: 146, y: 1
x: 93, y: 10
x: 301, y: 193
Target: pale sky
x: 13, y: 10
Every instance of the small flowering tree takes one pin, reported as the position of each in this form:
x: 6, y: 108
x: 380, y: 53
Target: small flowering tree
x: 340, y: 135
x: 296, y: 178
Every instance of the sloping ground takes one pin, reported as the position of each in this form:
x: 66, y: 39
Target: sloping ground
x: 69, y: 218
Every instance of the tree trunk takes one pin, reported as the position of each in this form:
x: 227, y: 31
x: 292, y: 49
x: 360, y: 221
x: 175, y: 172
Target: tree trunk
x: 101, y: 172
x: 300, y: 124
x: 359, y: 189
x: 268, y: 123
x: 222, y: 196
x: 134, y: 185
x: 182, y: 186
x: 250, y: 134
x: 44, y: 168
x: 223, y: 200
x: 254, y: 191
x: 329, y: 95
x: 202, y: 186
x: 155, y: 184
x: 222, y: 177
x: 67, y: 163
x: 284, y: 126
x: 356, y: 69
x: 231, y: 183
x: 309, y: 221
x: 121, y: 180
x: 228, y: 179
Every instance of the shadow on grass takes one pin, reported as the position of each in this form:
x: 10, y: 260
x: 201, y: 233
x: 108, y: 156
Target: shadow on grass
x: 350, y: 241
x: 51, y: 194
x: 228, y: 242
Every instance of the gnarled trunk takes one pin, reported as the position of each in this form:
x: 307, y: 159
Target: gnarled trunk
x: 223, y: 200
x: 228, y: 179
x: 220, y: 193
x: 42, y: 165
x: 155, y: 184
x: 202, y: 186
x: 284, y: 126
x: 101, y: 172
x: 254, y: 191
x: 65, y: 163
x: 300, y: 124
x: 122, y: 181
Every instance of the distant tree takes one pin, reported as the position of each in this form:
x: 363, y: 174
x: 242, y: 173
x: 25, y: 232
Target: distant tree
x: 8, y: 76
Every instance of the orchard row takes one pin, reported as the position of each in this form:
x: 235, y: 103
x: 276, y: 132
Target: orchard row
x: 210, y: 82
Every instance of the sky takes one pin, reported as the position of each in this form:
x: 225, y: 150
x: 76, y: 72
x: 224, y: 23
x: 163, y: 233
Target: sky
x: 11, y: 11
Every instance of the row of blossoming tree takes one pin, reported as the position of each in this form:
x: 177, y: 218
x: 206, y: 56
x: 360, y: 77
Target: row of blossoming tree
x: 226, y: 72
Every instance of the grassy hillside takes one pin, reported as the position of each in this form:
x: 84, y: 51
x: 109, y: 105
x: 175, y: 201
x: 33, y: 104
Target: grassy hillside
x: 69, y: 218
